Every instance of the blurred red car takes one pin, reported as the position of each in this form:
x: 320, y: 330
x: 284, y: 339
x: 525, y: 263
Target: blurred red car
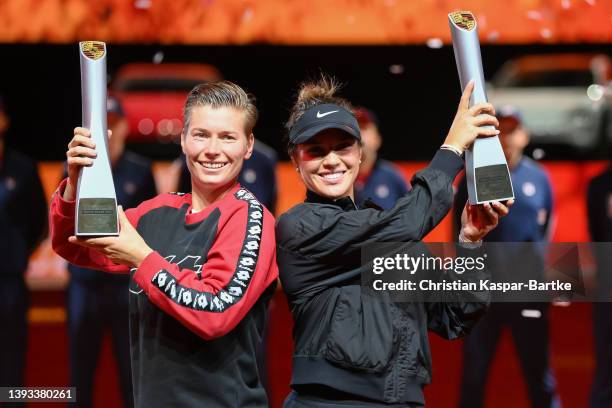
x: 153, y: 95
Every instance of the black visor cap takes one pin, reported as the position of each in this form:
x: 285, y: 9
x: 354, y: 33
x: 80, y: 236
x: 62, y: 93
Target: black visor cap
x: 323, y: 117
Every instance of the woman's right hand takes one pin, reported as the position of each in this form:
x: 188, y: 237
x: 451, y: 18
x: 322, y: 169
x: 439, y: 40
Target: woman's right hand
x: 81, y: 153
x: 468, y: 123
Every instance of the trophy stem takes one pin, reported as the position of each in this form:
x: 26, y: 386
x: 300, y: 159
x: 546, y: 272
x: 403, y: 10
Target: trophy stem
x: 96, y: 202
x: 486, y: 169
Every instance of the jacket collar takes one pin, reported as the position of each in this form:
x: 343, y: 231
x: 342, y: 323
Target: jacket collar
x: 345, y: 203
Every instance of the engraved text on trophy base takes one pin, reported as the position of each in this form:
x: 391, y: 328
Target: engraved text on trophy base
x: 97, y: 216
x: 492, y: 182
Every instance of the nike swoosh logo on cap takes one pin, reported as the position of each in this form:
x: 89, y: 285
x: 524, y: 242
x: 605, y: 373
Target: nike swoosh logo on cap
x: 322, y: 115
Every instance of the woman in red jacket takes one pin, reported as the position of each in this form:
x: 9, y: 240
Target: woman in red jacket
x: 202, y: 265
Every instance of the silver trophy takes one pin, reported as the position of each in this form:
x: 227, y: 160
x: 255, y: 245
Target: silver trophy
x: 96, y: 203
x: 486, y: 169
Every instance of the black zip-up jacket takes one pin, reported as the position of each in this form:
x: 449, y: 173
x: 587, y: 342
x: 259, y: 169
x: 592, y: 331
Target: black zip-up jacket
x: 345, y: 341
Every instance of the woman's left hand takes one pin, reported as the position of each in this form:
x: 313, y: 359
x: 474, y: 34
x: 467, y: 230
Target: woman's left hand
x: 129, y: 248
x: 478, y: 220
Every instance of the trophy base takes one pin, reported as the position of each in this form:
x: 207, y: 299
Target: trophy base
x: 97, y: 217
x: 493, y: 183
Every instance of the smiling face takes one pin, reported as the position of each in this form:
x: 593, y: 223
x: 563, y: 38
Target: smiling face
x: 329, y: 163
x: 215, y: 146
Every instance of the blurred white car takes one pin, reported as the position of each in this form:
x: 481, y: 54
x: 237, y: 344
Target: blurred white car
x: 564, y: 98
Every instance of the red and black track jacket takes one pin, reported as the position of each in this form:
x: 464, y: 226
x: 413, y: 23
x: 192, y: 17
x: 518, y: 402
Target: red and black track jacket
x: 198, y: 302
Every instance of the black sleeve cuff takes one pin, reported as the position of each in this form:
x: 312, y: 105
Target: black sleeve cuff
x: 465, y: 251
x: 447, y: 162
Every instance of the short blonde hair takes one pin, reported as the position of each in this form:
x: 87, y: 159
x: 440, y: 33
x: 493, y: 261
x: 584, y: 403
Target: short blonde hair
x: 218, y: 94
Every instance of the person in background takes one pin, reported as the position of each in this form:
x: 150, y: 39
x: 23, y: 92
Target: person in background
x: 98, y: 301
x: 23, y: 222
x: 599, y: 204
x: 258, y: 175
x: 378, y: 179
x: 529, y: 221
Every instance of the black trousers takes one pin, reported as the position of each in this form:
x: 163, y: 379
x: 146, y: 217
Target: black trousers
x: 531, y: 339
x: 601, y: 391
x: 14, y: 301
x: 94, y: 307
x: 295, y: 400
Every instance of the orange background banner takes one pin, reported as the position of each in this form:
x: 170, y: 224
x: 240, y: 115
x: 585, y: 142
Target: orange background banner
x: 300, y: 21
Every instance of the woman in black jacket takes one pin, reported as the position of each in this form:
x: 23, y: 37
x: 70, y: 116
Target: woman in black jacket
x: 352, y: 350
